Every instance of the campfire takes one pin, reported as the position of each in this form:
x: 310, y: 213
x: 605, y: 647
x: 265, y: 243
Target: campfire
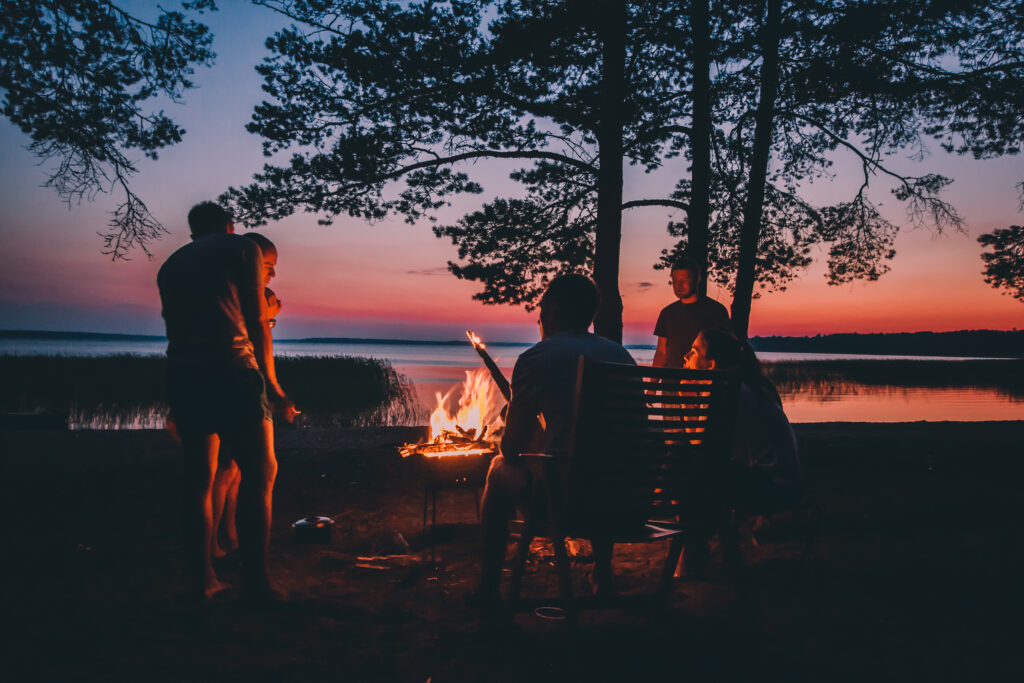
x: 458, y: 451
x: 472, y: 429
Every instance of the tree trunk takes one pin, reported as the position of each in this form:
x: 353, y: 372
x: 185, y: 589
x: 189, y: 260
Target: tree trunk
x: 608, y: 322
x: 700, y: 140
x: 753, y: 209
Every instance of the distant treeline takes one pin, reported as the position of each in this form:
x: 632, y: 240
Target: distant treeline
x: 964, y: 343
x: 125, y: 388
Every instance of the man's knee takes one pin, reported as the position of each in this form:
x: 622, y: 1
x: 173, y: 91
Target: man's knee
x: 506, y: 483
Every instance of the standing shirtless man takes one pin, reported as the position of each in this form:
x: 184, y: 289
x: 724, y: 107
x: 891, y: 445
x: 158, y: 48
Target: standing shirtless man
x: 220, y: 381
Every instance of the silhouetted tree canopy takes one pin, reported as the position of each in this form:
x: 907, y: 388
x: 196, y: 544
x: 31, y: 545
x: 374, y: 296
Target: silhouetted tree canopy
x: 802, y: 82
x: 375, y: 92
x: 75, y: 75
x: 759, y: 98
x: 1004, y: 265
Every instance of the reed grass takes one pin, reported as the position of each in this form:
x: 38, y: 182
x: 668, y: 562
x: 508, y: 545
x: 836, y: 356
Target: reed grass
x: 129, y: 390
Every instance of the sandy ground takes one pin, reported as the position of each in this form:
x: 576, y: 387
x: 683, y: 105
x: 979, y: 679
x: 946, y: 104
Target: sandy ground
x: 914, y: 575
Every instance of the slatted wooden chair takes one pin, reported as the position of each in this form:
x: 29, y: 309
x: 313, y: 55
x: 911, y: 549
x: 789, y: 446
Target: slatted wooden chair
x: 646, y: 444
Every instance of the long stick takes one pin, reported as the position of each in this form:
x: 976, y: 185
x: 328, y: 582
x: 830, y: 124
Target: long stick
x: 492, y: 367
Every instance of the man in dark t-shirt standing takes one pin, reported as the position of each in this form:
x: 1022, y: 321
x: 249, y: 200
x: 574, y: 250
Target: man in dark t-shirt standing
x: 221, y: 380
x: 680, y: 322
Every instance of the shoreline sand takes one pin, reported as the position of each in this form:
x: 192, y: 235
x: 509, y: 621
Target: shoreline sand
x: 914, y: 575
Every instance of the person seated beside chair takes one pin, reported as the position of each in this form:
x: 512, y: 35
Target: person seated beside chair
x: 539, y: 418
x: 764, y: 471
x: 765, y: 465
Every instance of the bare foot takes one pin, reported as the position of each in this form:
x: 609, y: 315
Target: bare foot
x: 214, y: 588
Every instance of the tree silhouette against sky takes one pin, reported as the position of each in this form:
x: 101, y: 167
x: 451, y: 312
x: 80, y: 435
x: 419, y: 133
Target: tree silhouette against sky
x: 75, y: 76
x: 386, y: 106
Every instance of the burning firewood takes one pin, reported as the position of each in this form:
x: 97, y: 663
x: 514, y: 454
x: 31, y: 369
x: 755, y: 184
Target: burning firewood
x: 472, y: 430
x: 492, y: 367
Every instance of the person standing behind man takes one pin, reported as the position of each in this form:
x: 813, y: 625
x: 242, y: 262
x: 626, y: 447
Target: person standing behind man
x: 220, y: 377
x: 681, y: 321
x: 228, y: 478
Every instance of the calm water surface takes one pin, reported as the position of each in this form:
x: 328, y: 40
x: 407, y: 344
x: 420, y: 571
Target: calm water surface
x: 437, y: 368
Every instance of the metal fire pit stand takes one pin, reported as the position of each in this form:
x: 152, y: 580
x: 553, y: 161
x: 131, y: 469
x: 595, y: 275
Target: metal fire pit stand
x: 452, y: 472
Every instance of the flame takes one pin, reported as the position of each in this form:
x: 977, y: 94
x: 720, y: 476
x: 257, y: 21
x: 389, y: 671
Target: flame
x: 479, y: 409
x: 476, y: 341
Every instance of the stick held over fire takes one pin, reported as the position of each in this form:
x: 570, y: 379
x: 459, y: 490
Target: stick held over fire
x: 492, y: 367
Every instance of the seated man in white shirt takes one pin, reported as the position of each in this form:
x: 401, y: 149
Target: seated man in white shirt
x: 539, y: 415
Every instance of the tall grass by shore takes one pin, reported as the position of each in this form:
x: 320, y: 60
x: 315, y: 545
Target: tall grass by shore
x: 126, y: 390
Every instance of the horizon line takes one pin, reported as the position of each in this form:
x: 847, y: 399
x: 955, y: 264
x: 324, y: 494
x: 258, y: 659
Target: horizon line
x: 69, y: 334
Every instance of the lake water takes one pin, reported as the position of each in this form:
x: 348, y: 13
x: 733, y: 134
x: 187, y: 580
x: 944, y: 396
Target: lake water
x: 437, y: 368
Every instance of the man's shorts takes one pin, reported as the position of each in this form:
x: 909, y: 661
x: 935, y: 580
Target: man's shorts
x: 221, y: 399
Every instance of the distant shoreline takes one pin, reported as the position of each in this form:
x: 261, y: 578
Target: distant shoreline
x: 962, y: 343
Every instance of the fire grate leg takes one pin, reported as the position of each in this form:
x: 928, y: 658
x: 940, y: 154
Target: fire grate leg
x: 433, y: 511
x: 426, y: 499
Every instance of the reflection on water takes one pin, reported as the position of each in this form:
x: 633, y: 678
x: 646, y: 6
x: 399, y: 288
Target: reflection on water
x: 849, y: 402
x: 818, y: 394
x: 825, y: 400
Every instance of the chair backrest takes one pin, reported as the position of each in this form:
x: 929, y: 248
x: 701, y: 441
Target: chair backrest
x: 648, y: 441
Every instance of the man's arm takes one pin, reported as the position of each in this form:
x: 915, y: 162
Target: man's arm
x: 257, y: 324
x: 521, y: 424
x: 660, y: 353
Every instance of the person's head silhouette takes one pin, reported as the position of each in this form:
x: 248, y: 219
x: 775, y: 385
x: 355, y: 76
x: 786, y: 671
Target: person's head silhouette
x: 209, y: 218
x: 568, y: 305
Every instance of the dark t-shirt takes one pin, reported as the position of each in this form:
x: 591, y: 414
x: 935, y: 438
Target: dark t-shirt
x: 208, y: 289
x: 680, y: 324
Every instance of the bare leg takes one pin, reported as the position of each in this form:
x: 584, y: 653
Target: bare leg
x: 504, y: 488
x: 230, y: 527
x: 225, y: 499
x: 255, y: 503
x: 200, y: 464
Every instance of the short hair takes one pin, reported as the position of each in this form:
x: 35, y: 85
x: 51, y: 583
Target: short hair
x: 208, y: 218
x: 262, y: 242
x: 574, y: 298
x: 687, y: 264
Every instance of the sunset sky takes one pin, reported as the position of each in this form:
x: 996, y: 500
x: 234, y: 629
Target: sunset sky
x: 389, y: 280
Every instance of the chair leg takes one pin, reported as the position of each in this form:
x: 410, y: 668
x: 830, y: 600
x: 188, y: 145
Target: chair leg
x: 433, y: 511
x: 561, y: 556
x: 476, y: 502
x: 426, y: 498
x: 674, y: 551
x: 731, y: 542
x: 811, y: 532
x: 564, y: 574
